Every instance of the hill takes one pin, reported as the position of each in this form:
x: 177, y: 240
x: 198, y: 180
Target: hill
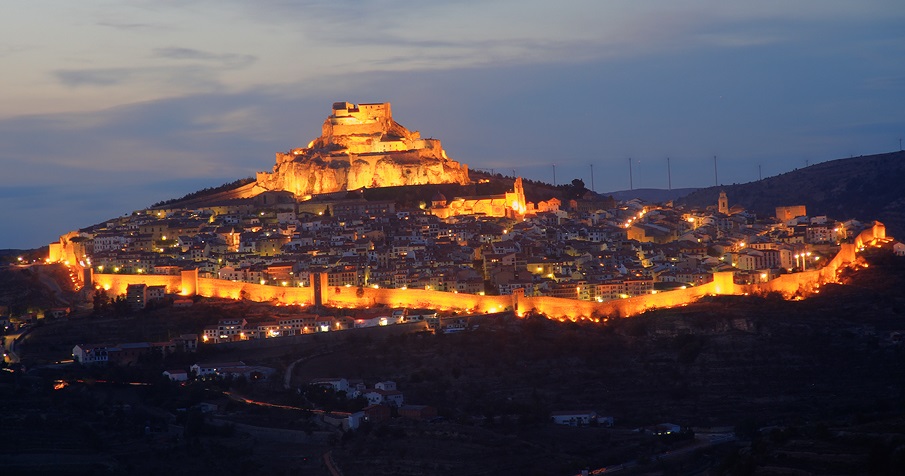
x: 820, y: 378
x: 865, y: 188
x: 652, y: 195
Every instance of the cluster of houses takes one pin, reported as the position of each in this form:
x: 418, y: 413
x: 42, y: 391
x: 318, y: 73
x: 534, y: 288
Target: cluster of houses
x: 130, y: 353
x: 383, y: 400
x: 220, y: 370
x: 266, y: 326
x: 591, y: 250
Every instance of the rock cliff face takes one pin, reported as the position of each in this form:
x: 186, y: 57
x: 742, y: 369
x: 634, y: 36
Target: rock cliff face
x: 361, y: 146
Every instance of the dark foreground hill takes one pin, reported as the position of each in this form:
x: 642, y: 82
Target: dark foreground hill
x: 866, y: 188
x: 811, y: 387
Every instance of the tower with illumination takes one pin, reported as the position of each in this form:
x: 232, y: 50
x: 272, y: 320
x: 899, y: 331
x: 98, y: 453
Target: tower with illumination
x: 723, y: 203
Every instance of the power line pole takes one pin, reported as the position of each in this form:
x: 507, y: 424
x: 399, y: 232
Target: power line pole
x: 668, y: 175
x: 592, y: 177
x: 759, y: 174
x: 554, y: 175
x: 631, y: 185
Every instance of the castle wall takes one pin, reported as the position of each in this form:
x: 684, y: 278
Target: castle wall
x: 558, y: 308
x: 363, y: 119
x: 562, y: 308
x: 55, y: 254
x: 414, y: 298
x: 116, y: 284
x: 868, y: 236
x: 211, y: 287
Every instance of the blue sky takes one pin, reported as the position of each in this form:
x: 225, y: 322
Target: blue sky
x: 109, y: 106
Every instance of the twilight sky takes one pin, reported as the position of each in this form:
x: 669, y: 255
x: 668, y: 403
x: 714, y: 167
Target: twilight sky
x: 109, y: 106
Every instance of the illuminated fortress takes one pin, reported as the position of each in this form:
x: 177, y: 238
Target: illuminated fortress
x: 361, y: 146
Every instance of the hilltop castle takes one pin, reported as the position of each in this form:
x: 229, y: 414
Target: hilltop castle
x: 361, y: 146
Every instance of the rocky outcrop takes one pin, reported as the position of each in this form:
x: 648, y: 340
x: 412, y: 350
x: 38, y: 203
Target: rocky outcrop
x: 361, y: 146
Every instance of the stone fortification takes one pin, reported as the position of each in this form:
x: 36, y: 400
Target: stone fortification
x: 361, y: 146
x: 188, y: 283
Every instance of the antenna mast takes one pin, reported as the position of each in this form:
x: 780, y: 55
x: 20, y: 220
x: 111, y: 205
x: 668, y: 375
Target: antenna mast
x: 668, y: 175
x: 631, y: 185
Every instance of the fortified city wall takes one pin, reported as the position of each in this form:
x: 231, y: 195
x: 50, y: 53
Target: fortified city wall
x: 558, y: 308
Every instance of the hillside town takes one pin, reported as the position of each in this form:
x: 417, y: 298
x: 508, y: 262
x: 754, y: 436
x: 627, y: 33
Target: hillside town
x: 578, y: 251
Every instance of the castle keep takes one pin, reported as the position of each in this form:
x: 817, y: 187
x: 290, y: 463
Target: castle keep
x: 361, y: 146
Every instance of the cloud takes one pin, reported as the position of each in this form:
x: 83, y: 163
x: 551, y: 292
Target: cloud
x: 589, y: 84
x: 201, y: 72
x: 95, y: 77
x: 187, y: 78
x: 126, y: 26
x: 229, y: 60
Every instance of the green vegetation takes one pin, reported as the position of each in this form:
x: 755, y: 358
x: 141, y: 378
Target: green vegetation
x: 206, y: 192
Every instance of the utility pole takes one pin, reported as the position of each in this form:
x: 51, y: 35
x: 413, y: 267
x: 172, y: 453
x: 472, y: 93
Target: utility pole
x: 592, y: 177
x: 716, y: 182
x: 631, y: 185
x: 554, y: 175
x: 759, y: 174
x: 668, y: 175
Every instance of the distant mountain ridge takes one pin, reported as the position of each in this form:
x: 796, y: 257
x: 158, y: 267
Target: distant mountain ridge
x: 869, y: 187
x: 652, y: 195
x: 865, y: 188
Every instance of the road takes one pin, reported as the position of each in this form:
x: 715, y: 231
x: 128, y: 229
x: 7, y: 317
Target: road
x: 287, y: 379
x: 9, y: 347
x: 699, y: 443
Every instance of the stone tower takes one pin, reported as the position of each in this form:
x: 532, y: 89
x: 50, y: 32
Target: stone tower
x: 515, y: 200
x: 723, y: 203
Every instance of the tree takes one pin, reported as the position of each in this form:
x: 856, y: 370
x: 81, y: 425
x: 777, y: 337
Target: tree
x: 101, y: 301
x: 121, y: 306
x: 576, y: 189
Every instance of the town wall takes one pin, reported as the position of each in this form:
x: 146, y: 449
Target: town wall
x: 562, y: 308
x: 212, y: 287
x: 414, y: 298
x: 116, y: 283
x: 558, y: 308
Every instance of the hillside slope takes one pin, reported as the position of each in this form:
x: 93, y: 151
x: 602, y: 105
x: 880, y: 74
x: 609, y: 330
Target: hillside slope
x: 866, y: 188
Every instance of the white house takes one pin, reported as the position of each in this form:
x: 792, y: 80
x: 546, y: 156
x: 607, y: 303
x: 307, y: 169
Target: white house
x: 176, y: 375
x: 204, y: 370
x: 387, y: 385
x: 355, y: 420
x: 899, y: 248
x: 90, y: 353
x: 389, y: 397
x: 337, y: 384
x: 573, y: 418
